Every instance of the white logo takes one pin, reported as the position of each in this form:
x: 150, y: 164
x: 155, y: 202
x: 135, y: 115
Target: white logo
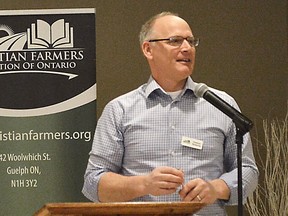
x: 45, y: 48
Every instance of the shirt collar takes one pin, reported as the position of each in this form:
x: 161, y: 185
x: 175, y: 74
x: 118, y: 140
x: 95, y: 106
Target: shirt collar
x: 152, y: 86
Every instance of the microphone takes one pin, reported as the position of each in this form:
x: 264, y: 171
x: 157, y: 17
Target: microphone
x: 242, y: 122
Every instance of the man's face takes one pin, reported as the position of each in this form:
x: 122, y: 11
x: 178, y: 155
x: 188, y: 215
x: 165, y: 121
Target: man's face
x: 170, y: 63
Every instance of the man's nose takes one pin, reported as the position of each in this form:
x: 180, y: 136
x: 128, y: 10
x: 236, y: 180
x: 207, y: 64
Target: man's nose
x: 185, y: 46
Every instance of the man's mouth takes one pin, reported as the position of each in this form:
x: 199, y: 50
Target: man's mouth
x: 184, y: 60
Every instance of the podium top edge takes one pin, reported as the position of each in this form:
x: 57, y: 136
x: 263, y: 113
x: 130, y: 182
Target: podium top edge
x: 115, y: 208
x: 86, y: 204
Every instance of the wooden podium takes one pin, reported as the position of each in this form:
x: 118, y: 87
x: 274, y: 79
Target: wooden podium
x: 120, y: 209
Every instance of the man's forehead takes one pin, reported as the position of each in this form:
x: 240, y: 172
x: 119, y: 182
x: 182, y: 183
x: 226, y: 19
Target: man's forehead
x: 169, y: 23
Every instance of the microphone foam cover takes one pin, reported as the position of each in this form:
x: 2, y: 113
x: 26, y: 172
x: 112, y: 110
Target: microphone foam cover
x: 200, y: 89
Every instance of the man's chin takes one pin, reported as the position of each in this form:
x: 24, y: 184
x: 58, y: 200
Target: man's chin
x: 186, y: 72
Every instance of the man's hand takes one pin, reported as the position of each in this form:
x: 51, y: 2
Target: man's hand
x: 199, y: 190
x: 163, y: 180
x: 118, y: 188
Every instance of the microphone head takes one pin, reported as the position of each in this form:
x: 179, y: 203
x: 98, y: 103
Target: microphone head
x: 200, y: 89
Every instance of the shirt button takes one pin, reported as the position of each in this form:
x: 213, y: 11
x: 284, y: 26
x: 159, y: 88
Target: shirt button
x: 173, y: 127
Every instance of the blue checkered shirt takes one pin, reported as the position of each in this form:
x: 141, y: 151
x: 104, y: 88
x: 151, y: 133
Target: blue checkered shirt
x: 143, y: 129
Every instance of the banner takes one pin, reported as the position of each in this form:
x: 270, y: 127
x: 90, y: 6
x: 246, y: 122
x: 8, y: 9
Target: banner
x: 47, y: 106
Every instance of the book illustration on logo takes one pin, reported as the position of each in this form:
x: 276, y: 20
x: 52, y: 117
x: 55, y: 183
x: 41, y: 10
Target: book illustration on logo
x: 11, y: 41
x: 43, y: 35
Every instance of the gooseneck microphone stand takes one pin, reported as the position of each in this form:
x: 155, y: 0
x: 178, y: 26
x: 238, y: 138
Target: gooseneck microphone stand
x: 241, y: 130
x: 239, y: 142
x: 242, y: 123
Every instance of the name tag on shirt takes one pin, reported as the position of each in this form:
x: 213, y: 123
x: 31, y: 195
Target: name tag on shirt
x: 192, y: 143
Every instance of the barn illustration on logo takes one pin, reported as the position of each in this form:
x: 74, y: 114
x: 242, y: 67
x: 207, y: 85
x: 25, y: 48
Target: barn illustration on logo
x: 65, y: 75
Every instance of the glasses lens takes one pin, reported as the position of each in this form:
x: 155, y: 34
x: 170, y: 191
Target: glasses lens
x: 176, y: 41
x: 193, y: 41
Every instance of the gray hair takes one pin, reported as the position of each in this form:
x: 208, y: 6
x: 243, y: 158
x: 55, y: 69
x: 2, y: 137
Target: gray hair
x: 147, y: 27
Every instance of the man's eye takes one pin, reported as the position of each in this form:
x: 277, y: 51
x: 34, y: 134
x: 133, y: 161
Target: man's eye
x: 190, y: 41
x: 175, y: 40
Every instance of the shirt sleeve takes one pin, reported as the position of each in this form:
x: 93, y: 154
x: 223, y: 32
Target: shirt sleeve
x: 107, y: 150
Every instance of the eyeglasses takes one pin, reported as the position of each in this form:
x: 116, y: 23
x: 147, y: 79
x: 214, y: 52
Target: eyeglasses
x: 178, y: 41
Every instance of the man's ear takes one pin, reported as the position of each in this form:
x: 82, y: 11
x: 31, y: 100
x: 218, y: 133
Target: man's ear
x: 146, y: 49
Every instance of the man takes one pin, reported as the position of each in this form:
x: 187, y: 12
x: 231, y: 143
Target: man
x: 162, y: 143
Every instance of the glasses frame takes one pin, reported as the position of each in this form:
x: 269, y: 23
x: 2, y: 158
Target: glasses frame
x: 195, y: 41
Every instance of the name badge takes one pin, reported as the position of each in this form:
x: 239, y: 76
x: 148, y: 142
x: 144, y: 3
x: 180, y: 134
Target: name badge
x: 192, y: 143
